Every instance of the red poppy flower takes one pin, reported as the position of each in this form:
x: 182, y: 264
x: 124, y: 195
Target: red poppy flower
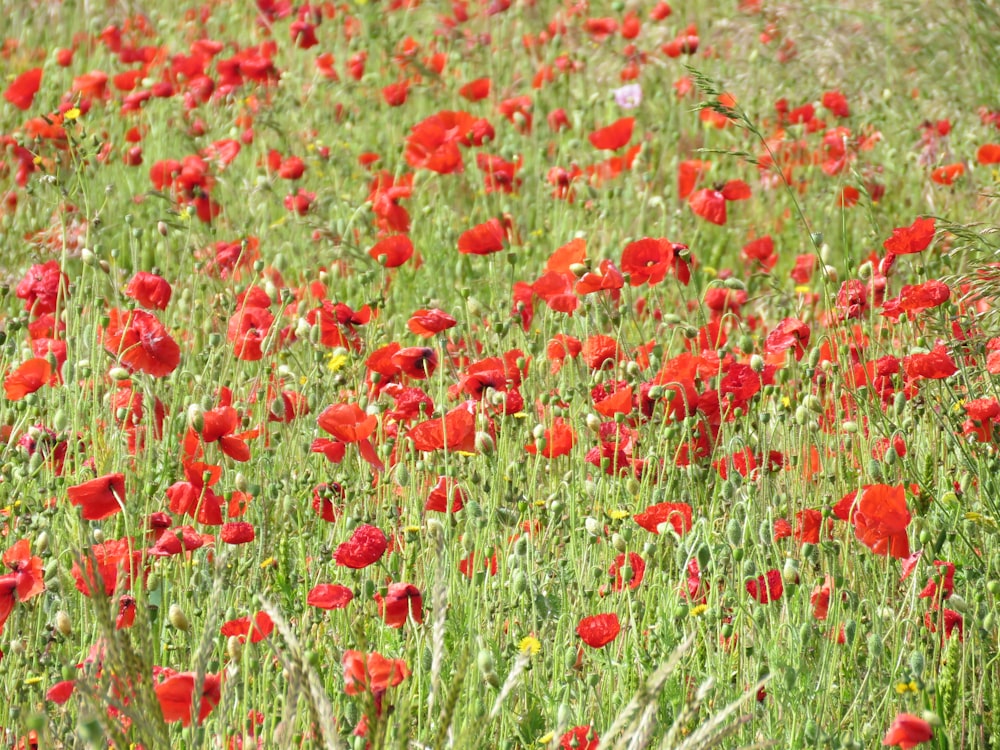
x: 219, y: 427
x: 247, y: 330
x: 347, y: 422
x: 944, y: 586
x: 433, y: 142
x: 141, y: 342
x: 116, y: 559
x: 636, y: 563
x: 30, y: 376
x: 482, y: 239
x: 677, y: 515
x: 373, y: 672
x: 789, y: 333
x: 558, y: 440
x: 257, y: 629
x: 427, y: 323
x: 149, y: 290
x: 395, y: 93
x: 476, y: 90
x: 912, y: 239
x: 455, y: 431
x: 194, y: 496
x: 329, y: 596
x: 99, y: 498
x: 176, y: 694
x: 21, y: 92
x: 393, y: 251
x: 438, y: 499
x: 937, y: 364
x: 916, y: 298
x: 580, y: 738
x: 880, y: 518
x: 598, y: 631
x: 820, y: 598
x: 613, y: 136
x: 417, y: 362
x: 988, y: 153
x: 947, y: 174
x: 365, y: 547
x: 237, y: 532
x: 401, y: 601
x: 766, y: 588
x: 42, y: 287
x: 908, y: 731
x: 689, y: 174
x: 598, y: 350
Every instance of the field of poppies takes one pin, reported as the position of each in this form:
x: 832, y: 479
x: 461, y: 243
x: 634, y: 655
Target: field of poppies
x: 499, y: 374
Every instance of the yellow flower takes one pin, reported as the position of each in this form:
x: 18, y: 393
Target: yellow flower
x: 336, y: 361
x: 697, y: 611
x: 529, y: 645
x: 72, y: 114
x: 545, y: 739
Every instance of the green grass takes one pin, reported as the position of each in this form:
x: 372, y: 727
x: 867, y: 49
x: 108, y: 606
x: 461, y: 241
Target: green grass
x: 496, y: 661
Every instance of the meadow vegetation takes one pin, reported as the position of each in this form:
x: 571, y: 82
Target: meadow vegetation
x: 499, y: 374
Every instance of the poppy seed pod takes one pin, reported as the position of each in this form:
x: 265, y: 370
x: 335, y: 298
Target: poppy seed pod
x: 177, y: 617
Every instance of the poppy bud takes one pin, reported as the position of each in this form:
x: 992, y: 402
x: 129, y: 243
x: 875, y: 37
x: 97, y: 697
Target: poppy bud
x: 734, y: 532
x: 88, y: 257
x: 234, y: 647
x: 177, y: 617
x: 917, y: 664
x: 196, y: 417
x: 62, y: 622
x: 592, y: 525
x: 485, y: 661
x: 484, y: 443
x: 42, y: 542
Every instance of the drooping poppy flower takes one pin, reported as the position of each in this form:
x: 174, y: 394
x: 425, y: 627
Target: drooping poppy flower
x: 99, y: 498
x: 613, y: 136
x: 372, y: 673
x: 365, y: 547
x: 710, y: 204
x: 983, y: 415
x: 944, y: 586
x: 836, y: 104
x: 393, y: 251
x: 608, y: 278
x: 21, y: 92
x: 29, y: 377
x: 401, y: 601
x: 908, y: 731
x: 677, y: 515
x: 598, y: 631
x: 433, y: 143
x: 766, y: 588
x: 482, y: 239
x: 141, y: 342
x: 912, y: 239
x: 176, y: 695
x: 689, y: 174
x: 329, y: 596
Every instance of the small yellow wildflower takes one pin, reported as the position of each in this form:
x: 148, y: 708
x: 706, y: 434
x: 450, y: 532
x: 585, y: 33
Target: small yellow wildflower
x: 529, y: 645
x: 72, y: 114
x: 697, y: 610
x: 336, y: 361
